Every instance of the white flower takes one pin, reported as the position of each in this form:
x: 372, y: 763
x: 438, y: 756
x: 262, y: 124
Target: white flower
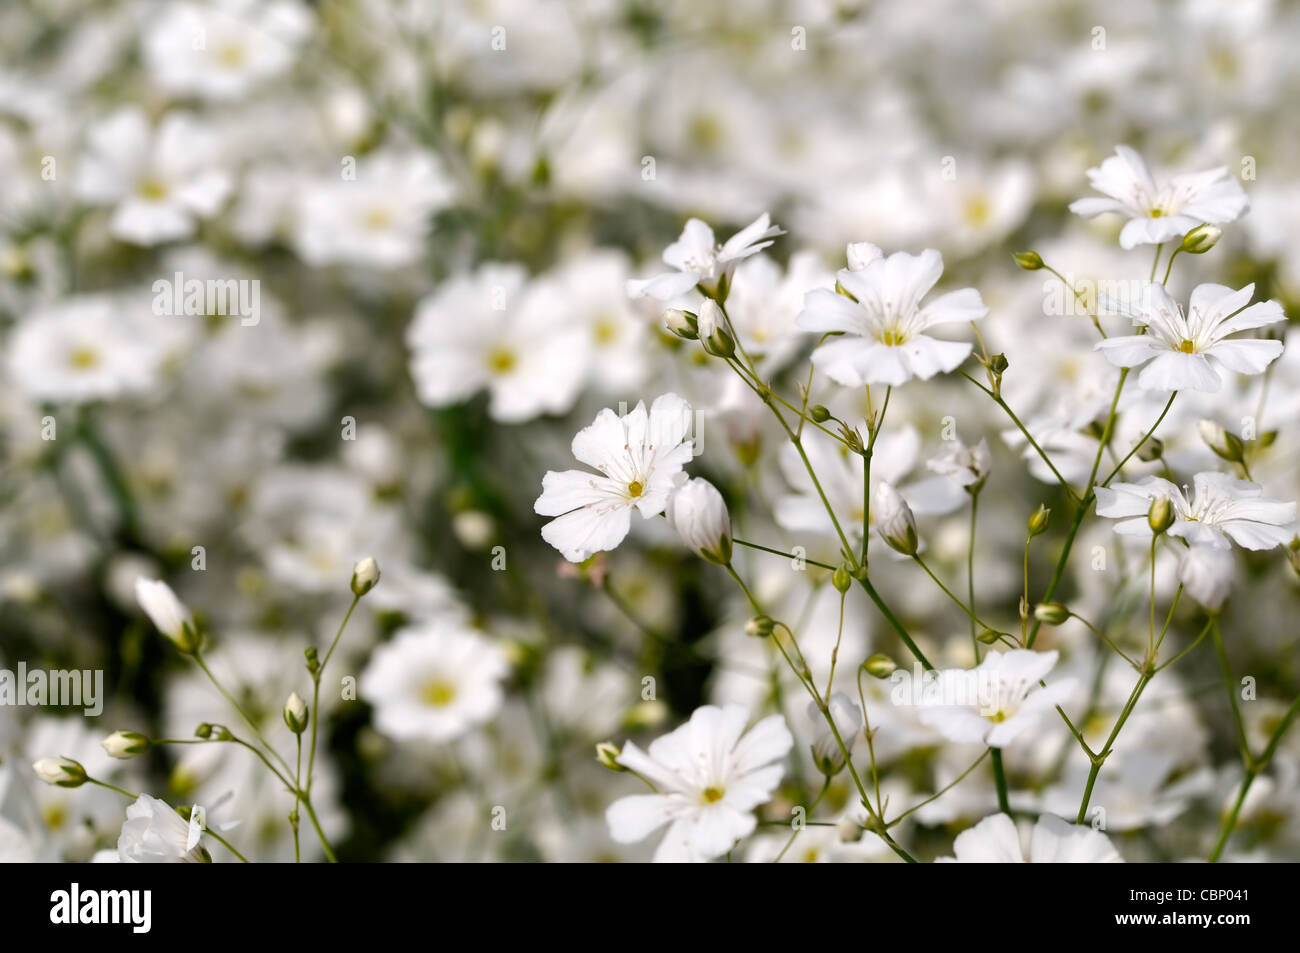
x: 996, y: 702
x: 1186, y: 351
x: 160, y: 181
x: 434, y: 681
x: 365, y: 575
x: 1159, y: 213
x: 1221, y: 508
x: 168, y: 614
x: 893, y: 518
x: 80, y: 350
x: 710, y: 774
x: 377, y: 219
x: 699, y: 259
x: 697, y: 511
x: 155, y: 834
x: 489, y: 330
x: 639, y: 456
x: 221, y: 52
x: 995, y: 840
x: 125, y: 744
x: 63, y: 772
x: 1206, y: 573
x: 884, y: 324
x: 968, y: 466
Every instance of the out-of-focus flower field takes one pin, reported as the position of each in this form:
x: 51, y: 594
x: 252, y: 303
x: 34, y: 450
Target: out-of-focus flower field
x: 622, y: 430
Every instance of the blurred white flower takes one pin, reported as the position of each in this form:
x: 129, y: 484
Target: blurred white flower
x: 884, y: 324
x: 155, y: 834
x: 82, y: 349
x: 160, y: 181
x: 996, y: 702
x: 168, y: 614
x: 434, y: 682
x: 995, y: 840
x: 489, y: 330
x: 378, y: 217
x: 710, y: 774
x: 1160, y: 212
x: 221, y: 50
x: 699, y: 259
x: 1221, y: 509
x: 1187, y: 351
x: 639, y: 456
x: 967, y: 466
x: 893, y: 519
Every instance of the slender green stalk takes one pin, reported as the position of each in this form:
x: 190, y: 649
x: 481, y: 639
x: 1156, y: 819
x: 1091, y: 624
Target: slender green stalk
x: 1000, y: 779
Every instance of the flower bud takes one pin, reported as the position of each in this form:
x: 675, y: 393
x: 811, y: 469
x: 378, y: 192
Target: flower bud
x: 125, y: 744
x: 295, y: 713
x: 841, y: 579
x: 1039, y: 520
x: 203, y: 731
x: 698, y: 513
x: 1201, y: 239
x: 1152, y: 450
x: 989, y: 636
x: 682, y: 323
x: 1028, y: 260
x: 365, y: 575
x: 760, y: 627
x: 168, y: 614
x: 1224, y: 444
x: 846, y: 715
x: 719, y: 343
x: 607, y: 754
x: 63, y: 772
x: 819, y: 413
x: 1161, y: 515
x: 894, y: 520
x: 1051, y: 613
x: 1207, y: 575
x: 880, y: 666
x: 998, y: 363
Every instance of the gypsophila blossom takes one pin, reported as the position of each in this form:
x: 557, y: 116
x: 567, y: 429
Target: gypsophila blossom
x: 1218, y: 509
x: 699, y: 260
x: 995, y: 840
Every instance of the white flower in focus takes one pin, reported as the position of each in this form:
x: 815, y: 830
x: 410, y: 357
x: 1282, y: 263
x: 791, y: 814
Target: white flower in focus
x: 1160, y: 212
x: 893, y: 519
x: 81, y: 350
x: 1206, y: 573
x: 155, y: 834
x: 168, y: 614
x: 997, y: 701
x: 639, y: 456
x: 995, y: 840
x: 697, y: 511
x: 489, y: 331
x: 378, y: 219
x: 699, y: 259
x: 160, y: 181
x: 1221, y: 509
x: 883, y: 324
x: 222, y: 51
x: 434, y: 682
x: 710, y: 774
x: 1187, y: 351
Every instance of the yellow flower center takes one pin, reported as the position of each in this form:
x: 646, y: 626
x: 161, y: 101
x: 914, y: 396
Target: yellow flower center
x: 83, y: 358
x: 1188, y: 346
x: 377, y: 219
x: 713, y: 795
x: 634, y: 488
x: 153, y: 189
x: 232, y: 54
x: 998, y: 717
x: 605, y: 331
x: 893, y: 336
x: 977, y: 211
x: 438, y: 693
x: 501, y: 360
x: 1157, y: 213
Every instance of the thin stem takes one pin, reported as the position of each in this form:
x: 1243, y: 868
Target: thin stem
x: 257, y: 733
x: 970, y: 575
x: 226, y: 844
x: 895, y: 624
x: 329, y: 851
x: 811, y: 807
x: 997, y: 399
x: 944, y: 790
x: 781, y: 552
x: 949, y: 593
x: 1000, y: 779
x: 111, y: 787
x: 1138, y: 446
x: 1231, y: 686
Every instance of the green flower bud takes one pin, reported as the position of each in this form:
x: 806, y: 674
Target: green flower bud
x: 880, y: 666
x: 1028, y: 260
x: 1051, y: 613
x: 1039, y: 520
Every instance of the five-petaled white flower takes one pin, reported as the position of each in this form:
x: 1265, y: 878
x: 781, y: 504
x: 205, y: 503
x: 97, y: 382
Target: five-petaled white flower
x: 710, y: 774
x: 1221, y: 508
x: 1185, y: 351
x: 1159, y: 213
x: 995, y: 702
x: 699, y: 259
x: 884, y: 323
x: 639, y: 457
x: 996, y: 840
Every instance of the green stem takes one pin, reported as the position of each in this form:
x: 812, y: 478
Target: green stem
x: 1000, y: 779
